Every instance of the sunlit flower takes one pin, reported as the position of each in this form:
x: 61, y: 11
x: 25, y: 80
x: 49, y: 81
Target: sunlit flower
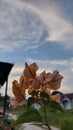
x: 45, y: 82
x: 30, y: 70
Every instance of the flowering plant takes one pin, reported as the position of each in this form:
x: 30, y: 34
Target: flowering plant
x: 39, y: 87
x: 44, y: 82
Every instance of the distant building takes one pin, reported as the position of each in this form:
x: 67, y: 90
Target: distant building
x: 70, y: 97
x: 65, y: 103
x: 66, y: 100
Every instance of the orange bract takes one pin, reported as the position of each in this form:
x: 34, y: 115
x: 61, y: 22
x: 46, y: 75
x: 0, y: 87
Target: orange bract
x: 55, y: 97
x: 45, y: 82
x: 30, y: 70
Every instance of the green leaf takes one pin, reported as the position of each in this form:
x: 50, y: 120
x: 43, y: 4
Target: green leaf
x: 30, y: 101
x: 29, y: 116
x: 45, y: 96
x: 56, y: 106
x: 44, y: 102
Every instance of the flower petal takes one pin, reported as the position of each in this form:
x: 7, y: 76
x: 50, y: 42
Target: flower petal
x: 30, y: 70
x: 56, y: 97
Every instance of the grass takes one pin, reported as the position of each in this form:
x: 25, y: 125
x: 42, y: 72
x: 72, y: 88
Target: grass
x: 67, y: 125
x: 55, y: 118
x: 17, y: 111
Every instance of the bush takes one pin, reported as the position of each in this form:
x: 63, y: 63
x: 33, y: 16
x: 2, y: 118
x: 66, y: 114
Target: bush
x: 67, y: 125
x: 5, y: 124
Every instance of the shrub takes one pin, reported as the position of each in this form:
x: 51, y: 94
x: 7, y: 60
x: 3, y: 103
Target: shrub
x: 67, y: 124
x: 5, y: 124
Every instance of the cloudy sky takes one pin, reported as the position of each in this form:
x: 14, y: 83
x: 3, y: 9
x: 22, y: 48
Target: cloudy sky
x: 38, y: 31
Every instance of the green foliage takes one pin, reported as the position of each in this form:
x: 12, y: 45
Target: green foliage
x: 2, y: 98
x: 33, y: 115
x: 56, y: 106
x: 55, y: 117
x: 30, y: 115
x: 44, y: 95
x: 5, y: 124
x: 44, y: 98
x: 17, y: 111
x: 30, y: 101
x: 67, y: 125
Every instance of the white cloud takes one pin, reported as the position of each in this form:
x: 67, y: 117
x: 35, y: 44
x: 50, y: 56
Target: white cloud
x: 22, y: 22
x: 22, y: 25
x: 17, y: 69
x: 19, y: 26
x: 58, y: 27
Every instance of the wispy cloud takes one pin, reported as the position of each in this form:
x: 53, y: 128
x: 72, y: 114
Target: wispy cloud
x: 19, y: 27
x: 58, y: 27
x: 24, y: 22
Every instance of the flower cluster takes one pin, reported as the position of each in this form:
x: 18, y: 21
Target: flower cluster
x: 44, y: 82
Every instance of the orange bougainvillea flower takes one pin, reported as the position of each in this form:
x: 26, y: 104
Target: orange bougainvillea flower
x: 55, y: 97
x: 55, y: 83
x: 30, y: 90
x: 35, y: 84
x: 18, y: 90
x: 45, y: 77
x: 30, y: 70
x: 45, y: 82
x: 53, y: 80
x: 16, y: 103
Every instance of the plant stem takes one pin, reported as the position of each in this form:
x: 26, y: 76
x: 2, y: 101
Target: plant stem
x: 46, y: 119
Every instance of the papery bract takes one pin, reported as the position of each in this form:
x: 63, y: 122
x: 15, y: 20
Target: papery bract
x: 30, y: 70
x: 44, y: 82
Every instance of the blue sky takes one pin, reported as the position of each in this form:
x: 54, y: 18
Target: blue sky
x: 38, y: 31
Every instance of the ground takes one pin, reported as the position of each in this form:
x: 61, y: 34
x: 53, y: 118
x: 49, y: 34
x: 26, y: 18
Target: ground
x: 32, y: 126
